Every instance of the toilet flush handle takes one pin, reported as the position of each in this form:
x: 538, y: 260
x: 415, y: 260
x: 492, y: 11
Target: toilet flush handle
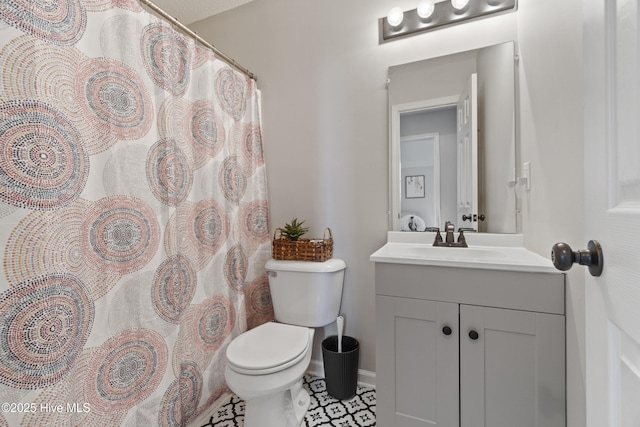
x: 272, y: 273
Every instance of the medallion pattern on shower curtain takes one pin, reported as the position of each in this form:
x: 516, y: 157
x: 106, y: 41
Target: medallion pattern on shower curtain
x: 133, y: 213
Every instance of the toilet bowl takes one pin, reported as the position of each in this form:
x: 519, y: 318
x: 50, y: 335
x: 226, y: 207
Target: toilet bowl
x: 265, y: 365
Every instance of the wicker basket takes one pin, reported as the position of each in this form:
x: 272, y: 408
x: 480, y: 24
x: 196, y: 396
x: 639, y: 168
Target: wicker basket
x: 317, y: 250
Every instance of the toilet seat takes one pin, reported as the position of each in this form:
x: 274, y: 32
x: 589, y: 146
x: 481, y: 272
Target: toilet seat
x: 268, y: 348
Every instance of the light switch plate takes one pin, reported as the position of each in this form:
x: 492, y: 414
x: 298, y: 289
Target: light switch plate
x: 526, y: 173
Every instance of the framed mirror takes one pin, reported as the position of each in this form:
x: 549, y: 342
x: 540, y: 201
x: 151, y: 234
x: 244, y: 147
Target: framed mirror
x: 465, y: 102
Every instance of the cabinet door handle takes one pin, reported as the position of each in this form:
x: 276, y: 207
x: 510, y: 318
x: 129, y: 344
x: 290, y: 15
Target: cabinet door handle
x: 473, y: 335
x: 447, y: 330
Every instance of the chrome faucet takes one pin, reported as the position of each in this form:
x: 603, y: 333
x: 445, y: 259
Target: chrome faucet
x: 449, y: 239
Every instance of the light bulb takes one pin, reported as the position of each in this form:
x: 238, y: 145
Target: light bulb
x: 395, y: 17
x: 426, y: 8
x: 459, y: 4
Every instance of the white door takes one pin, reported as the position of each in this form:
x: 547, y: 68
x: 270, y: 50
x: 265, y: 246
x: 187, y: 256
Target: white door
x: 467, y: 134
x: 612, y: 182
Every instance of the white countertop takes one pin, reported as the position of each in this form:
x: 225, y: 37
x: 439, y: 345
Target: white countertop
x: 485, y: 251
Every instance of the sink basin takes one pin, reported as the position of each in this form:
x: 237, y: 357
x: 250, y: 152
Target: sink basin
x: 482, y: 257
x: 439, y: 252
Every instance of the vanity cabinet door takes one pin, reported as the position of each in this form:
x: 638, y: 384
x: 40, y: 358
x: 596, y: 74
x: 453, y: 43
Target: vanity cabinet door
x: 417, y: 369
x: 512, y: 368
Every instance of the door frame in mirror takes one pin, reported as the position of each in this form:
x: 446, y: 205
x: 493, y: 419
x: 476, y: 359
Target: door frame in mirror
x: 395, y: 170
x: 431, y: 195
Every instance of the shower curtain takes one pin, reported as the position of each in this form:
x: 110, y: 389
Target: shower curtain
x: 133, y: 216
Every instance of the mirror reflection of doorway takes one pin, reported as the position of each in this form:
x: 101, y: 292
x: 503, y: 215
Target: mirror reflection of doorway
x: 450, y: 167
x: 420, y: 175
x: 428, y: 147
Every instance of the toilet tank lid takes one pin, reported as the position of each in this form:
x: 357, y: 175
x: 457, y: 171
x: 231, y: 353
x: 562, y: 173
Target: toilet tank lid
x: 328, y: 266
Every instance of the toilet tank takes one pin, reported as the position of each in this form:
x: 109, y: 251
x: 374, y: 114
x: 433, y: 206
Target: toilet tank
x: 306, y: 293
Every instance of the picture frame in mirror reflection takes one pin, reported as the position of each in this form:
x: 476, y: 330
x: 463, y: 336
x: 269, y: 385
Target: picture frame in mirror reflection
x: 414, y: 186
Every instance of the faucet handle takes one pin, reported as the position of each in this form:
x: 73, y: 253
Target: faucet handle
x: 438, y: 238
x: 461, y: 239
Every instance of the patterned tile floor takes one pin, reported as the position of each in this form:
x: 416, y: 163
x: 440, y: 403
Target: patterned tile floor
x: 324, y: 410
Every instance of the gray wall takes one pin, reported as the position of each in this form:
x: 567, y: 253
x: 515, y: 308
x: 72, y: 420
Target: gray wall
x: 551, y: 119
x: 322, y: 73
x: 496, y: 152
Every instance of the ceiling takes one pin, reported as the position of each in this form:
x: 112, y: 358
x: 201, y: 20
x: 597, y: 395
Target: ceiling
x: 190, y: 11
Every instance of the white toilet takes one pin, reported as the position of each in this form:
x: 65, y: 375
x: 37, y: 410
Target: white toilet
x: 265, y: 365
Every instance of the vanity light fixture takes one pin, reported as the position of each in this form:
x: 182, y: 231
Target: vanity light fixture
x: 430, y: 15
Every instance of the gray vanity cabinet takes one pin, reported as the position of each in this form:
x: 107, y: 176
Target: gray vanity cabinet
x: 447, y: 356
x: 417, y: 368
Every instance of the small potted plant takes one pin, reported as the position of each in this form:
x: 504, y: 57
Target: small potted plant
x: 294, y: 230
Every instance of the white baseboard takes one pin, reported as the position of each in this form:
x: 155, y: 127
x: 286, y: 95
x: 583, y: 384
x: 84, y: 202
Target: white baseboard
x: 365, y: 378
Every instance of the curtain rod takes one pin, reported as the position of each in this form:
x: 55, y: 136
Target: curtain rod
x: 199, y: 39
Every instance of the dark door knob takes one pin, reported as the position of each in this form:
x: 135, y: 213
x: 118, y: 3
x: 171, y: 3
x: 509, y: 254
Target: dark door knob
x: 563, y: 257
x: 447, y: 330
x: 473, y: 335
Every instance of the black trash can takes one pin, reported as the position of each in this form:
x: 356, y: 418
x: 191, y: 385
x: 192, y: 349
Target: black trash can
x: 341, y: 369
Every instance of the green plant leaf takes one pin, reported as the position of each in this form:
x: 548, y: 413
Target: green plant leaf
x: 294, y: 230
